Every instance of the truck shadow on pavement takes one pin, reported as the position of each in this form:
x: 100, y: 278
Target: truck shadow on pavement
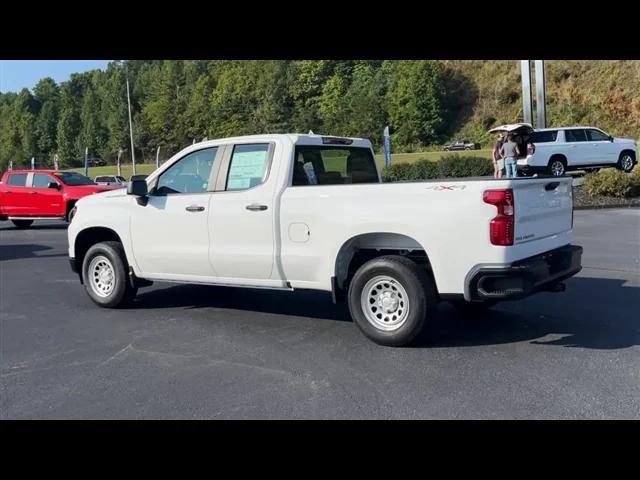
x: 46, y: 226
x: 301, y: 303
x: 594, y: 313
x: 25, y: 250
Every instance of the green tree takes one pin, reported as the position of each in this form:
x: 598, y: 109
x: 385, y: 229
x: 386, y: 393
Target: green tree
x: 414, y: 102
x: 46, y: 93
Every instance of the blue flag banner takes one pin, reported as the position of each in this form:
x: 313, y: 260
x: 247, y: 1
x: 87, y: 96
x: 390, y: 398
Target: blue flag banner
x: 387, y: 147
x: 86, y: 162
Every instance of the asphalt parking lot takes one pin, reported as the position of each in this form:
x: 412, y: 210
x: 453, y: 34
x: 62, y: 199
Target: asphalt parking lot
x: 195, y: 352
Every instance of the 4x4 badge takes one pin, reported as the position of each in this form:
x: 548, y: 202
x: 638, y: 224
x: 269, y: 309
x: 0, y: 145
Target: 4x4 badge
x: 439, y: 188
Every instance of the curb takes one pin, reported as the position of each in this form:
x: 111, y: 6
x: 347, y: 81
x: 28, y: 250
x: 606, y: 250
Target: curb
x: 601, y: 207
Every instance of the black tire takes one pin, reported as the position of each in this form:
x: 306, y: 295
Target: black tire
x: 554, y: 166
x: 121, y: 291
x: 626, y: 162
x: 22, y: 223
x: 472, y: 310
x: 420, y: 302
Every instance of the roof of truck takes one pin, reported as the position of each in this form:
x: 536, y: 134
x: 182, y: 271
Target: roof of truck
x: 311, y: 138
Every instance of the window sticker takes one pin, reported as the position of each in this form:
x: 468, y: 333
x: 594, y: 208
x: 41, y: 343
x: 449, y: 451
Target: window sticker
x: 247, y: 166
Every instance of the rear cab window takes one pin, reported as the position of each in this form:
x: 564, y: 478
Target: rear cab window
x: 333, y: 165
x: 17, y: 179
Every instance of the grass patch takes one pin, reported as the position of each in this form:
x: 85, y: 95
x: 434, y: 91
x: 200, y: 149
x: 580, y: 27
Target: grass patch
x: 141, y: 169
x: 430, y: 156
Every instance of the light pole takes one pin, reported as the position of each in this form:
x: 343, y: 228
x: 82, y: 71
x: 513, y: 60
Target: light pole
x: 133, y: 153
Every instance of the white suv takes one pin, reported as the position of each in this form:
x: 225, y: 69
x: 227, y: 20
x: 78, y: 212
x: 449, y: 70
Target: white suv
x: 571, y: 148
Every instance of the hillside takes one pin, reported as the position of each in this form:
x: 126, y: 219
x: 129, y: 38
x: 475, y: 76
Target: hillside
x: 600, y: 93
x: 425, y: 103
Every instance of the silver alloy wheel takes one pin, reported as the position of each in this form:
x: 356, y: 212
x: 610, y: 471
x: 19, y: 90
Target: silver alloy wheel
x: 557, y: 168
x: 385, y: 303
x: 626, y: 162
x: 102, y: 278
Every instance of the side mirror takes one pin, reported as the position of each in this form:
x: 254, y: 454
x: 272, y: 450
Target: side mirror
x: 610, y: 138
x: 138, y: 188
x: 55, y: 185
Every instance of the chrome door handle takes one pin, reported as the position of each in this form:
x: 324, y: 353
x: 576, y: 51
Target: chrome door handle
x: 194, y: 208
x: 254, y: 207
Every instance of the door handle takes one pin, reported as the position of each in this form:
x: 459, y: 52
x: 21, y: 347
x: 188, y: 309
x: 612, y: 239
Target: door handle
x: 194, y: 208
x: 34, y: 193
x: 254, y: 207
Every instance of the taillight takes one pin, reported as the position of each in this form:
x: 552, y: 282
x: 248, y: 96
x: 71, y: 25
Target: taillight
x: 72, y: 213
x: 502, y: 226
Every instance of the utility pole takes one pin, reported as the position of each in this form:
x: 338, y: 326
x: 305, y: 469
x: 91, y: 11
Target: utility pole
x: 541, y: 97
x: 133, y: 153
x: 158, y: 157
x: 525, y: 70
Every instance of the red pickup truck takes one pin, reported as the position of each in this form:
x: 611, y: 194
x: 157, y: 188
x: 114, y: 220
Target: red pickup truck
x: 28, y: 195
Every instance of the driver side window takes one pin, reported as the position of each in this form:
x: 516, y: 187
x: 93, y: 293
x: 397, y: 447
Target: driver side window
x: 189, y: 175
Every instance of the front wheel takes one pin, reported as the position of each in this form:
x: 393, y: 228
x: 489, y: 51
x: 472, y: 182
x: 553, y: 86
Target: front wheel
x: 22, y: 223
x: 626, y: 162
x: 104, y: 270
x: 391, y: 299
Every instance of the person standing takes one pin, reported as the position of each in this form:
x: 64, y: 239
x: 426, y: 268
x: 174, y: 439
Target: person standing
x: 510, y: 154
x: 498, y: 161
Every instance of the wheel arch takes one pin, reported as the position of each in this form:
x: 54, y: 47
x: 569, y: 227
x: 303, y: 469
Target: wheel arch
x: 630, y: 152
x: 363, y: 247
x: 88, y: 237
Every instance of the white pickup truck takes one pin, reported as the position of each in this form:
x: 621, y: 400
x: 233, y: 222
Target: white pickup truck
x: 310, y: 212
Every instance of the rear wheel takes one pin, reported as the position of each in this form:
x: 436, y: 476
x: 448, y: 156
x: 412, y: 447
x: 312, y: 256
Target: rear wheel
x: 104, y: 270
x: 22, y: 223
x: 557, y: 167
x: 391, y: 299
x: 626, y: 161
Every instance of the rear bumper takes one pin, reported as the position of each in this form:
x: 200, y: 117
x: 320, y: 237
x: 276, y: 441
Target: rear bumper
x: 524, y: 277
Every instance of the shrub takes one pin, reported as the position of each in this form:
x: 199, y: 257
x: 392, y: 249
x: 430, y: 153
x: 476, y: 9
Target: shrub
x: 399, y: 172
x: 609, y: 183
x: 449, y: 166
x: 458, y: 166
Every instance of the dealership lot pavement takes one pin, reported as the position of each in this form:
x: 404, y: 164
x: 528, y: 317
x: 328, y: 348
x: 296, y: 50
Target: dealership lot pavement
x: 186, y: 351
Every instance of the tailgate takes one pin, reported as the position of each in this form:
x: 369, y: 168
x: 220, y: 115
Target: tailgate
x: 544, y: 207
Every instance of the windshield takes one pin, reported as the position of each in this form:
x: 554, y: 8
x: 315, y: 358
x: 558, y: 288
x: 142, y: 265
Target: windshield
x: 73, y: 179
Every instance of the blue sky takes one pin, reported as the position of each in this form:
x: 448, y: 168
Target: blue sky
x: 18, y: 74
